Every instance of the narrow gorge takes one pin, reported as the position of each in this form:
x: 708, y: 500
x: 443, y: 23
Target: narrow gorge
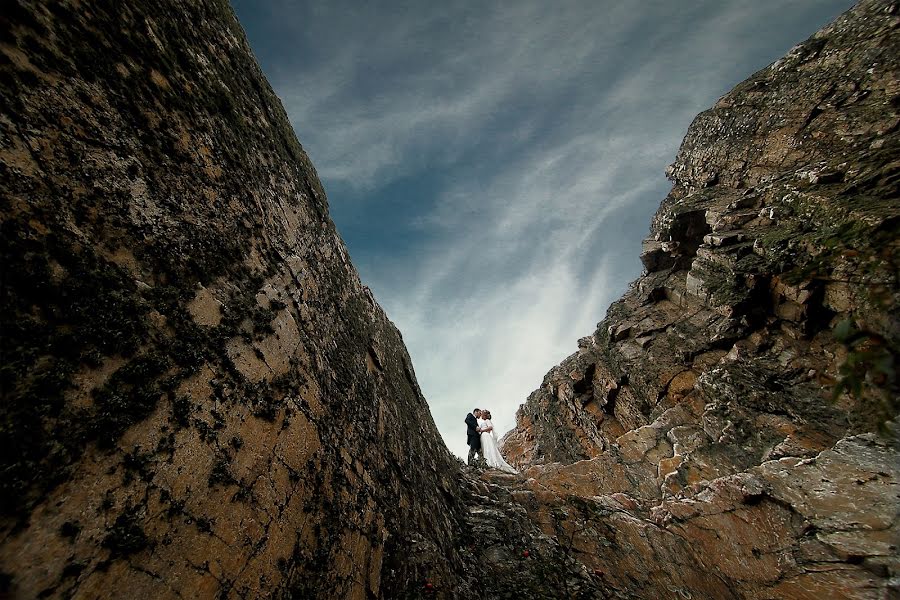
x: 202, y: 400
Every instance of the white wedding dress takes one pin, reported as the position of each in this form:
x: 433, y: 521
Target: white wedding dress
x: 489, y: 449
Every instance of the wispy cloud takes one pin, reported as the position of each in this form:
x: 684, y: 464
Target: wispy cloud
x: 498, y: 300
x: 399, y: 94
x: 542, y: 131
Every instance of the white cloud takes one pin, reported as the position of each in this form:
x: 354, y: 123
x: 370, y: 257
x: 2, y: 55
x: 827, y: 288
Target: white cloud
x: 493, y: 348
x: 501, y: 300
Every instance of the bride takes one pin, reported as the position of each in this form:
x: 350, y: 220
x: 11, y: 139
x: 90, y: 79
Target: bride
x: 489, y: 449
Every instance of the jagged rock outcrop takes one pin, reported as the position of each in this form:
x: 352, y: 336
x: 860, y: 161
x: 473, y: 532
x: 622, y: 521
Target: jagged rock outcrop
x: 731, y: 407
x: 200, y: 399
x: 788, y: 528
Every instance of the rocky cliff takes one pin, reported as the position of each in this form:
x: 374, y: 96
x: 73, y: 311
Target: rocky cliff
x: 730, y: 420
x: 200, y: 399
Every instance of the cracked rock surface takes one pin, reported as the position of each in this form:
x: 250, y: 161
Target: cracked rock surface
x: 730, y: 405
x: 200, y: 399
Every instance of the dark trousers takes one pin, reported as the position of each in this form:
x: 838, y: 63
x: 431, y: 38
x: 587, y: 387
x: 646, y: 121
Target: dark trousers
x: 473, y: 450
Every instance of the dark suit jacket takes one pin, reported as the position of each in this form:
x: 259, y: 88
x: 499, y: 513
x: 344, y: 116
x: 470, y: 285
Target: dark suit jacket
x: 473, y: 438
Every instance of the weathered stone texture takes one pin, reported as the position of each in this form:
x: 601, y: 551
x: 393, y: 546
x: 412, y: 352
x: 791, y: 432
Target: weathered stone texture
x: 703, y: 401
x: 200, y: 399
x: 824, y: 527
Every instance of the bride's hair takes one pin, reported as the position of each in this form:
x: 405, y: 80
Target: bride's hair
x: 486, y: 414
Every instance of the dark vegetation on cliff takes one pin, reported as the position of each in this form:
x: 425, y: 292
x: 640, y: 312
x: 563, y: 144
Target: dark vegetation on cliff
x: 200, y: 399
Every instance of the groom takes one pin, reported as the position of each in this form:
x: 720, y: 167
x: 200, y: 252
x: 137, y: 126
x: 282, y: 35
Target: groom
x: 473, y: 435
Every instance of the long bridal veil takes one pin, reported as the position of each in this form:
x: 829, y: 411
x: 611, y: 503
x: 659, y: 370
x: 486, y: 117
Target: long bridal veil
x: 491, y: 451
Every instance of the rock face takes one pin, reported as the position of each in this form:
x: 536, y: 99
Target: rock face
x: 725, y: 414
x: 200, y: 399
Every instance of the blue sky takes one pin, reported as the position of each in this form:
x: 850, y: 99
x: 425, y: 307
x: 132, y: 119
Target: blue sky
x: 493, y: 166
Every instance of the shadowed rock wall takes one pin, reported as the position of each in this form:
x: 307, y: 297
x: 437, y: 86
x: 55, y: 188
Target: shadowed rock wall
x: 200, y: 399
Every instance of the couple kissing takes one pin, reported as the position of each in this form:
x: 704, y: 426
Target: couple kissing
x: 482, y: 440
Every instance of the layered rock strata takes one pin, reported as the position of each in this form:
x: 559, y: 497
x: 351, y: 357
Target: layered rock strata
x: 734, y: 409
x: 200, y: 399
